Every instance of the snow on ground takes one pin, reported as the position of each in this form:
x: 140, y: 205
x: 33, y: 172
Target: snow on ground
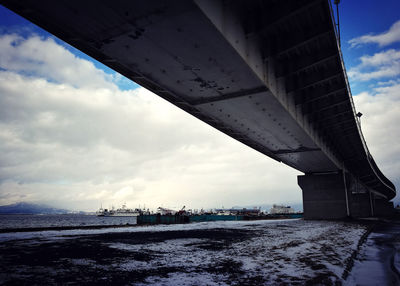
x: 211, y: 253
x: 279, y: 251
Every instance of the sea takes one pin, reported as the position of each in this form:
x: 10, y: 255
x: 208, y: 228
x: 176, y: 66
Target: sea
x: 8, y: 221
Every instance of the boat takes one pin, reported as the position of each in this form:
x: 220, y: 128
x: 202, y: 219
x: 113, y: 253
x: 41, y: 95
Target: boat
x: 123, y: 211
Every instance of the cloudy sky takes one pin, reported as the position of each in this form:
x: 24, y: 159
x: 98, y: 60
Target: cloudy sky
x: 74, y: 134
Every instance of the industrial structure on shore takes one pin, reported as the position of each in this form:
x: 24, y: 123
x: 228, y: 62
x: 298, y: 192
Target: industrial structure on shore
x: 168, y: 216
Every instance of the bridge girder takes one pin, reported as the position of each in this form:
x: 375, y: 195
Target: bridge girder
x: 268, y: 73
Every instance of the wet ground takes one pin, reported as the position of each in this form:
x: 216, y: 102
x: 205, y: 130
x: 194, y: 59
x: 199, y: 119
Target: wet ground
x: 286, y: 252
x: 378, y: 259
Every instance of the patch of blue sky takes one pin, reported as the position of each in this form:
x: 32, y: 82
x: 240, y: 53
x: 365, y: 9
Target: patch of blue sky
x: 12, y: 23
x: 367, y: 17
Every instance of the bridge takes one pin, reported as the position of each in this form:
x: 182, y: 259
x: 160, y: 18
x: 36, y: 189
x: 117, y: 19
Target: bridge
x: 270, y: 74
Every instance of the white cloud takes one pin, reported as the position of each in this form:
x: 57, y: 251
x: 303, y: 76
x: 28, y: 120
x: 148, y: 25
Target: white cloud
x: 380, y: 65
x: 382, y: 39
x: 70, y: 136
x: 43, y: 57
x: 380, y: 59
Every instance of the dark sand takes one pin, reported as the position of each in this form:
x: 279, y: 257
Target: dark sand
x: 48, y: 263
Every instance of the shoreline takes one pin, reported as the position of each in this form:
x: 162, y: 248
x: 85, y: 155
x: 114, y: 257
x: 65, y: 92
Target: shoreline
x: 51, y: 228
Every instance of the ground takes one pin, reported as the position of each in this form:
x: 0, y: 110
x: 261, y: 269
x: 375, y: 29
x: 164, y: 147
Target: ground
x: 378, y: 259
x: 269, y: 252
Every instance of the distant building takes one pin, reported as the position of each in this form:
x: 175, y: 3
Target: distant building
x: 281, y: 209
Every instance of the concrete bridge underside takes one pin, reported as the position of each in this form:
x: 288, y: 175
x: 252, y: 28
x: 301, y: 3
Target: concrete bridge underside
x: 267, y: 73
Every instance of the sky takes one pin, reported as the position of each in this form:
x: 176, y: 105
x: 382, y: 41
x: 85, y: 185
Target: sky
x: 75, y: 134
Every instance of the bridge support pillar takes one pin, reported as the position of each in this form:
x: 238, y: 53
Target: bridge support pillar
x: 334, y: 196
x: 360, y: 205
x: 324, y: 196
x: 360, y: 197
x: 383, y: 207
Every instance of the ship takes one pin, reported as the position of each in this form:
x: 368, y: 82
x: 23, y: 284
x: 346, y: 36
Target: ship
x: 123, y: 211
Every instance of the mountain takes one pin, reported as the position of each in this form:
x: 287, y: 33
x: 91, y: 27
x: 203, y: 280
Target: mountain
x: 28, y: 208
